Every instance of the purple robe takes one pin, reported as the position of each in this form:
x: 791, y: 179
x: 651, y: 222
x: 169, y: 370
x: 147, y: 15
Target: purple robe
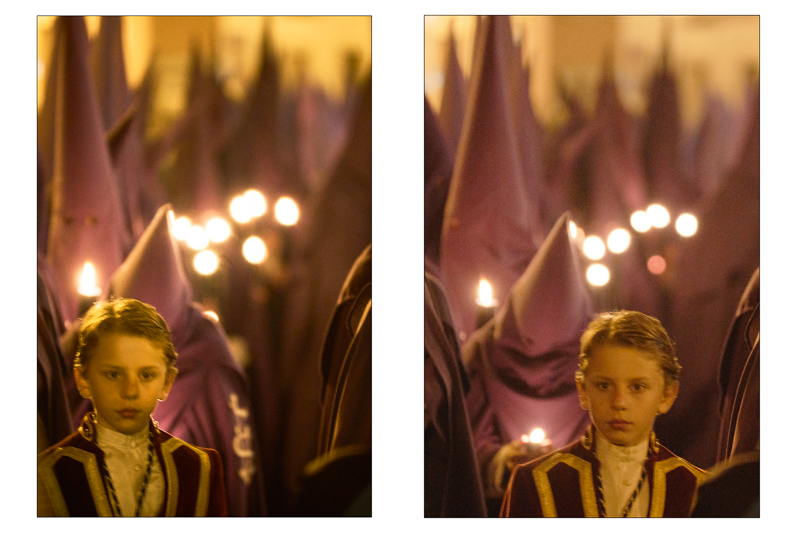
x: 453, y: 486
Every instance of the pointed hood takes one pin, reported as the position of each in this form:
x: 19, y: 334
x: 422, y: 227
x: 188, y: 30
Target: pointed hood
x: 438, y: 171
x: 454, y: 97
x: 108, y: 68
x: 662, y: 143
x: 549, y: 306
x: 153, y: 273
x: 487, y: 225
x: 86, y: 222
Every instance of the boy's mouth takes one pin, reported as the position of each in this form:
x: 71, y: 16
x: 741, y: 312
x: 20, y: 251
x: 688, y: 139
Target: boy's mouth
x: 128, y: 413
x: 619, y: 424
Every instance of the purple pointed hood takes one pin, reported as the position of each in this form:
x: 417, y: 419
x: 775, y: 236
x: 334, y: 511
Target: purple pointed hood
x: 153, y: 273
x: 487, y: 225
x: 454, y: 97
x: 86, y: 222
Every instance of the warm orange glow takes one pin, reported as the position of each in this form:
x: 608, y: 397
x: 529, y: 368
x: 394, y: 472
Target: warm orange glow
x: 485, y: 296
x: 598, y: 275
x: 640, y: 222
x: 286, y: 211
x: 254, y: 250
x: 206, y: 262
x: 593, y: 247
x: 88, y: 281
x: 537, y: 435
x: 686, y: 225
x: 619, y: 240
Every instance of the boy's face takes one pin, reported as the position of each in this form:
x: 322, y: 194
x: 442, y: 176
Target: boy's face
x: 125, y: 378
x: 624, y: 390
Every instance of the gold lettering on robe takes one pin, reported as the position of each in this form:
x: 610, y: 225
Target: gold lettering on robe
x: 242, y: 440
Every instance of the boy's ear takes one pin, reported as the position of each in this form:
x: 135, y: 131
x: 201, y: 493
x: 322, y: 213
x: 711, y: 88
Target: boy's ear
x: 582, y: 396
x: 83, y: 386
x: 172, y: 373
x: 670, y: 393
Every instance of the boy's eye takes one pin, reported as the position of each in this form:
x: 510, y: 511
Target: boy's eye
x: 602, y: 386
x: 147, y: 376
x: 639, y: 387
x: 112, y: 375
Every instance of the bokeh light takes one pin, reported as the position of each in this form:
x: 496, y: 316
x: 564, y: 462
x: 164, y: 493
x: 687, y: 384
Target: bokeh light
x: 686, y: 225
x: 656, y: 265
x: 218, y: 229
x: 254, y: 250
x: 256, y: 203
x: 593, y: 247
x: 658, y: 216
x: 87, y: 286
x: 196, y: 238
x: 619, y: 240
x: 640, y: 222
x: 180, y: 228
x: 598, y: 275
x: 286, y: 211
x: 206, y: 262
x: 240, y: 211
x: 573, y: 229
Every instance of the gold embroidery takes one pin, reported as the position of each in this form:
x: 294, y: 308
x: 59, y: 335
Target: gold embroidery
x: 172, y: 476
x: 201, y: 505
x: 660, y: 470
x: 545, y: 491
x: 93, y: 477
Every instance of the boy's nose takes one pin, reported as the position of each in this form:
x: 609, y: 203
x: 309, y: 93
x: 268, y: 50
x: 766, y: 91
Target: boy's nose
x: 619, y: 400
x: 130, y: 389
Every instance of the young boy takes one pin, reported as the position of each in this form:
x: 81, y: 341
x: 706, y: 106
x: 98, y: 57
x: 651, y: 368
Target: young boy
x: 627, y: 376
x: 119, y: 463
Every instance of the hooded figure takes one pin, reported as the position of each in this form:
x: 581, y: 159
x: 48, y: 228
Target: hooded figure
x: 339, y: 481
x: 453, y: 486
x: 208, y: 404
x: 487, y: 231
x: 522, y: 363
x: 438, y: 171
x: 86, y: 221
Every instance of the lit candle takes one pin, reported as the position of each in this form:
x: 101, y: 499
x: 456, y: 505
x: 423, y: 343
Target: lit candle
x: 88, y: 290
x: 535, y: 443
x: 486, y: 302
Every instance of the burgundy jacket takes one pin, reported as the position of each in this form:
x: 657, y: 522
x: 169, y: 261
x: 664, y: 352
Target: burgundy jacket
x: 563, y: 483
x: 71, y: 475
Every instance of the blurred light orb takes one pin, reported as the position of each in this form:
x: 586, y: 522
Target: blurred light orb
x: 212, y: 315
x: 206, y: 262
x: 593, y: 247
x: 254, y: 250
x: 286, y: 211
x: 656, y: 265
x: 87, y: 286
x: 196, y: 238
x: 640, y: 221
x: 240, y: 211
x: 619, y: 240
x: 658, y: 216
x: 256, y: 203
x: 686, y: 225
x: 598, y: 275
x: 218, y: 230
x: 537, y: 435
x: 180, y: 228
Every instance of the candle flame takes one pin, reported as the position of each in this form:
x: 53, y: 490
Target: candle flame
x: 485, y: 293
x: 88, y: 285
x: 537, y: 435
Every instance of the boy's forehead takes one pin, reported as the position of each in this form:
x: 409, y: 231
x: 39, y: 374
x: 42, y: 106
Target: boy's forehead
x: 626, y: 359
x: 128, y: 348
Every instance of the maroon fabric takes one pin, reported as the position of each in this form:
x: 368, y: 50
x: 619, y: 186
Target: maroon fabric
x: 52, y: 372
x: 453, y: 486
x: 77, y: 493
x: 220, y: 417
x: 86, y: 222
x: 454, y: 98
x: 522, y: 363
x: 709, y: 274
x: 735, y: 355
x: 522, y: 498
x: 336, y: 355
x: 438, y: 171
x: 487, y: 228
